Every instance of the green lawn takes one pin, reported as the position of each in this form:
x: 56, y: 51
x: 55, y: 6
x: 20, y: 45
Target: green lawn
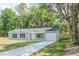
x: 6, y: 44
x: 54, y: 49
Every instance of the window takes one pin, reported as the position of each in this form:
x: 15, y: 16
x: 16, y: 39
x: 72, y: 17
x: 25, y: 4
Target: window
x: 22, y: 35
x: 14, y: 35
x: 40, y: 35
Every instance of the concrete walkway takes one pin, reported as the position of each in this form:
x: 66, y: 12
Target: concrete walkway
x: 26, y: 50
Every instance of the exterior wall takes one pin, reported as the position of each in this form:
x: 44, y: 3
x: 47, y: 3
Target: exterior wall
x: 27, y: 36
x: 9, y: 36
x: 41, y: 38
x: 57, y: 35
x: 51, y: 36
x: 18, y: 36
x: 32, y: 36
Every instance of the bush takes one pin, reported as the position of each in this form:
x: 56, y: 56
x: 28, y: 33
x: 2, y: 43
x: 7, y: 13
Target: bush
x: 76, y: 43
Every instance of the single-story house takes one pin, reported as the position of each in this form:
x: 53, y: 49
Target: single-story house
x: 34, y: 34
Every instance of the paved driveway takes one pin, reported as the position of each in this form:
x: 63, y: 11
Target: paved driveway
x: 26, y: 50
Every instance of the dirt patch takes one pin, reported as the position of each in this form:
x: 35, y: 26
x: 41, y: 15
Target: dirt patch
x: 3, y: 42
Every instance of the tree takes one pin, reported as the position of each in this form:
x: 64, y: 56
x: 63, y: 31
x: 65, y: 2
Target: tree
x: 28, y: 18
x: 1, y: 25
x: 42, y: 16
x: 69, y: 12
x: 22, y: 10
x: 9, y: 19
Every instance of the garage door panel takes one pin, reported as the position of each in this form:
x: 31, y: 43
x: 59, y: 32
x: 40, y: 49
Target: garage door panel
x: 50, y: 36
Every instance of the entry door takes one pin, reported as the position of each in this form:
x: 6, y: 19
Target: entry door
x: 51, y: 36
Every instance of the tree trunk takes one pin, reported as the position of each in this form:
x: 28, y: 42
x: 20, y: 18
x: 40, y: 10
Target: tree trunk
x: 21, y: 22
x: 74, y: 29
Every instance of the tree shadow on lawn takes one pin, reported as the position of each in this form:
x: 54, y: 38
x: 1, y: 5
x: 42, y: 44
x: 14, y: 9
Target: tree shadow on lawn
x: 7, y: 47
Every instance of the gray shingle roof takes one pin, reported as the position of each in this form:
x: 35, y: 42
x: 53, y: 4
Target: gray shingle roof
x: 54, y: 29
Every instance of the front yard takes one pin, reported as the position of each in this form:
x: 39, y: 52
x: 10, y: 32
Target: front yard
x: 6, y: 44
x: 54, y: 49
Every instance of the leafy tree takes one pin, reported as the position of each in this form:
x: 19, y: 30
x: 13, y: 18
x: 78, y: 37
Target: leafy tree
x: 9, y: 19
x: 28, y: 18
x: 69, y: 12
x: 1, y: 25
x: 42, y: 16
x: 22, y: 10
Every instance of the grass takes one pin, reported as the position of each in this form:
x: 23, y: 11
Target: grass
x: 6, y: 44
x: 54, y: 49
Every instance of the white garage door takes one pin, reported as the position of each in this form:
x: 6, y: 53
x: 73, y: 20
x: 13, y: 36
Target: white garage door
x: 51, y: 36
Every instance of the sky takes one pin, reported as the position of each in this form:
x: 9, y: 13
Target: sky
x: 12, y: 5
x: 8, y: 5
